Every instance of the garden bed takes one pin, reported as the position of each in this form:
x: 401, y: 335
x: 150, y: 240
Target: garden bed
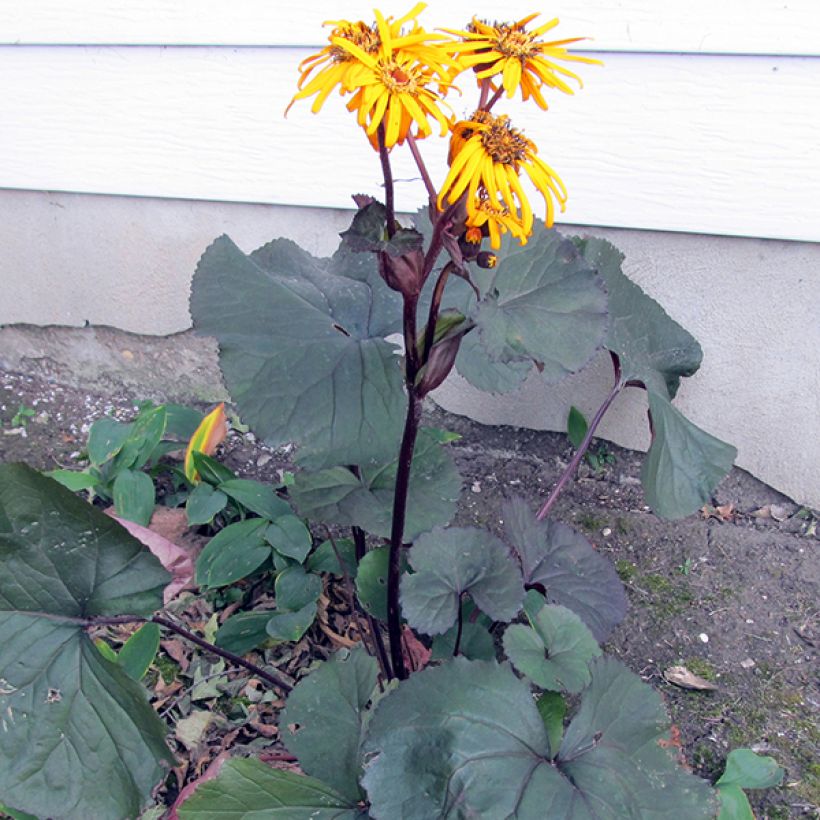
x: 731, y: 593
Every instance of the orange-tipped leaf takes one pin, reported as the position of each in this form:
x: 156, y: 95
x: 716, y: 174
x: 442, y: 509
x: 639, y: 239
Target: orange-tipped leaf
x: 207, y: 437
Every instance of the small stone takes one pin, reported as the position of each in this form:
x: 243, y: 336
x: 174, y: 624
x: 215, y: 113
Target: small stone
x: 128, y: 355
x: 749, y: 620
x: 747, y: 663
x: 703, y: 637
x: 606, y: 532
x: 476, y: 488
x: 263, y: 459
x: 250, y: 437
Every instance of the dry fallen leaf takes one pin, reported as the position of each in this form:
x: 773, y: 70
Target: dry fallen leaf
x: 681, y: 676
x: 723, y: 512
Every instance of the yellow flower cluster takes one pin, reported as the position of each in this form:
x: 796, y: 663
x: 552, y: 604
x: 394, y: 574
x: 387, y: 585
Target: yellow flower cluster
x: 396, y: 74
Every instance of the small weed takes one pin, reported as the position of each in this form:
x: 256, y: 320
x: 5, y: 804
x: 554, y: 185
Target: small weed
x: 686, y: 567
x: 591, y: 522
x: 23, y: 414
x: 626, y: 569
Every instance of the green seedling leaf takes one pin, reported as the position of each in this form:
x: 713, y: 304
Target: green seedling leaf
x: 248, y: 788
x: 544, y: 302
x: 256, y: 496
x: 302, y: 348
x: 209, y: 469
x: 79, y: 738
x: 233, y: 553
x: 146, y: 433
x: 734, y: 805
x: 324, y: 719
x: 134, y: 496
x: 105, y: 439
x: 139, y: 651
x: 576, y: 427
x: 289, y: 536
x: 337, y: 496
x: 748, y: 770
x: 105, y: 650
x: 296, y: 588
x: 468, y: 734
x: 447, y: 563
x: 291, y: 626
x: 74, y: 480
x: 324, y: 559
x: 554, y: 651
x: 684, y: 463
x: 561, y: 562
x: 243, y: 632
x: 553, y: 709
x: 204, y: 503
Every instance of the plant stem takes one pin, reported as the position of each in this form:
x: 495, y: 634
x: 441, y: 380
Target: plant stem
x: 580, y: 452
x: 428, y: 183
x: 230, y: 656
x: 457, y: 647
x: 408, y: 442
x: 435, y: 305
x: 485, y: 90
x: 495, y: 98
x: 384, y: 156
x: 358, y: 535
x: 410, y: 342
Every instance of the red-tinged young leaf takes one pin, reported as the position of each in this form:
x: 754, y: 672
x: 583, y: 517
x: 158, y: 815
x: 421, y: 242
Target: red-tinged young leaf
x: 207, y: 437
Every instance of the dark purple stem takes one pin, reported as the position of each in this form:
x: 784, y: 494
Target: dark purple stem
x: 435, y: 305
x: 495, y: 98
x: 408, y: 442
x: 428, y: 183
x: 457, y: 647
x: 384, y: 156
x: 411, y: 353
x: 580, y: 452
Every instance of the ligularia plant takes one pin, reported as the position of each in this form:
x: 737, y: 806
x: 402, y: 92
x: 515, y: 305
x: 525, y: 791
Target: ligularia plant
x: 421, y: 719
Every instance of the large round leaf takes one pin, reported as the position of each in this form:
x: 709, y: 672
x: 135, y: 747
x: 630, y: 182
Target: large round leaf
x: 566, y: 567
x: 338, y: 496
x: 322, y: 722
x: 446, y: 564
x: 79, y: 738
x: 249, y: 789
x: 545, y: 302
x: 555, y: 651
x: 466, y: 740
x: 302, y: 348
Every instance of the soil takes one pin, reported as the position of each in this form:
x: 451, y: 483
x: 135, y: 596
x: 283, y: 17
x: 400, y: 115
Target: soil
x: 730, y: 593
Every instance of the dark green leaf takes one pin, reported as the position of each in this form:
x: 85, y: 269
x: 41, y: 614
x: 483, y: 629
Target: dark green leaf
x: 211, y: 470
x: 296, y: 588
x: 289, y: 536
x: 684, y: 463
x: 477, y: 644
x: 134, y: 496
x: 325, y: 717
x: 553, y: 708
x: 182, y: 421
x: 204, y: 503
x: 466, y: 739
x: 748, y: 770
x: 246, y: 789
x: 139, y: 651
x: 105, y: 439
x: 290, y: 626
x: 105, y: 650
x: 450, y: 562
x: 233, y: 553
x: 544, y: 302
x: 73, y: 479
x: 734, y: 805
x: 555, y: 651
x: 256, y: 496
x: 146, y: 432
x: 371, y: 582
x: 337, y: 496
x: 80, y: 739
x: 324, y: 559
x: 243, y: 632
x: 16, y: 815
x: 567, y: 567
x: 302, y: 349
x: 368, y: 230
x: 474, y: 364
x: 576, y: 426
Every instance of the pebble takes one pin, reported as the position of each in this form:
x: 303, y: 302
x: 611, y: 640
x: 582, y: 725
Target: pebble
x: 263, y: 459
x: 476, y: 488
x: 747, y: 663
x: 606, y: 532
x: 703, y: 637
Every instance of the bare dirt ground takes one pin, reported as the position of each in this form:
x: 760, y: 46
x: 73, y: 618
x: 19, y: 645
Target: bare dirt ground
x: 731, y: 593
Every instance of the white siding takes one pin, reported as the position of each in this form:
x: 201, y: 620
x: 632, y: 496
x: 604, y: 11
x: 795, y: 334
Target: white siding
x: 723, y: 27
x: 711, y: 144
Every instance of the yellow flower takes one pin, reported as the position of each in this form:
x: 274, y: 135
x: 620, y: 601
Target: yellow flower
x: 487, y: 156
x: 389, y: 73
x: 518, y: 56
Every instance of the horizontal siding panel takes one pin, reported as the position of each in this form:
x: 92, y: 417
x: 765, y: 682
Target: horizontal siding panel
x: 706, y: 144
x: 696, y: 26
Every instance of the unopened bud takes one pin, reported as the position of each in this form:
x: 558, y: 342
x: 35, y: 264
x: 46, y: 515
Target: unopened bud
x: 486, y: 259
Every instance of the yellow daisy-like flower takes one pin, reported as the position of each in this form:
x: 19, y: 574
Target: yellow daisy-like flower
x: 390, y: 74
x: 487, y: 156
x: 518, y: 56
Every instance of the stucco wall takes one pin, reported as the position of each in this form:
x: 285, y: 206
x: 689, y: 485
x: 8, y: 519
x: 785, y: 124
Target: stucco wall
x: 753, y: 304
